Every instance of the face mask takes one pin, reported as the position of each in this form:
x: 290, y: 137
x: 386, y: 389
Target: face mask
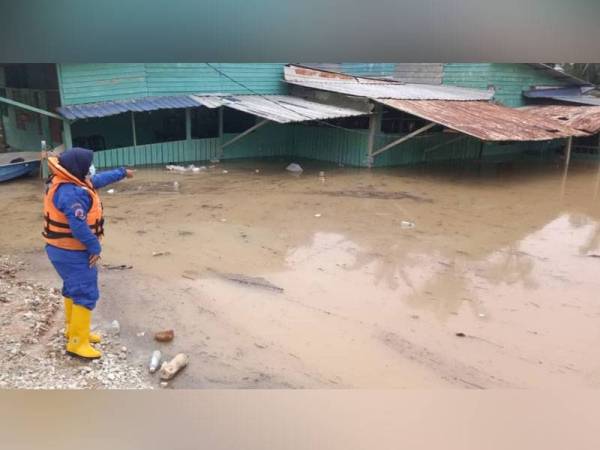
x: 92, y: 171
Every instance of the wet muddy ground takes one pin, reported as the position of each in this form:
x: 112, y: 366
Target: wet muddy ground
x: 432, y: 278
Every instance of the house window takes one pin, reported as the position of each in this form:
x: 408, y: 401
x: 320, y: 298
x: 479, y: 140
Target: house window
x: 399, y: 122
x: 164, y: 125
x: 205, y: 123
x: 235, y: 121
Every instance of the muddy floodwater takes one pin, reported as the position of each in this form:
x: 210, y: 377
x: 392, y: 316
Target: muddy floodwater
x: 428, y: 278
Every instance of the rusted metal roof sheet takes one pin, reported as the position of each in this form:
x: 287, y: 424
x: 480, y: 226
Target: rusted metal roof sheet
x: 484, y: 120
x: 585, y: 118
x: 279, y: 108
x: 377, y: 89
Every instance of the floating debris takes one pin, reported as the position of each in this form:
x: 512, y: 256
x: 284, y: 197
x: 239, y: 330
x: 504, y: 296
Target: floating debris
x: 155, y: 361
x: 164, y: 336
x: 117, y: 267
x: 110, y: 191
x: 247, y: 280
x: 169, y: 369
x: 406, y: 224
x: 294, y: 168
x: 115, y: 327
x: 161, y: 253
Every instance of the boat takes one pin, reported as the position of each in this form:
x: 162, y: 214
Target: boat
x: 10, y: 171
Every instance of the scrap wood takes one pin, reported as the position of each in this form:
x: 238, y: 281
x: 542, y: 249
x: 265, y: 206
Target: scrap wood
x: 247, y: 280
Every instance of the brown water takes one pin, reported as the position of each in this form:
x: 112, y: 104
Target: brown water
x: 500, y: 255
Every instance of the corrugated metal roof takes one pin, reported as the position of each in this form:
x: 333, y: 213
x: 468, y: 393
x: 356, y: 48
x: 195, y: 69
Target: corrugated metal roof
x: 585, y: 118
x: 570, y: 94
x: 279, y: 108
x: 110, y: 108
x: 484, y: 120
x: 378, y: 89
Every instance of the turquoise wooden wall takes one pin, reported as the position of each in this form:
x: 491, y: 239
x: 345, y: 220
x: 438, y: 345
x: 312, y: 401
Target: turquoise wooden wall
x: 318, y: 143
x: 271, y: 140
x: 88, y: 83
x: 509, y: 79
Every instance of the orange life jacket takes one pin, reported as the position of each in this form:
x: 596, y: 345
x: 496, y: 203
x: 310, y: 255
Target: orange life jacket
x: 57, y: 231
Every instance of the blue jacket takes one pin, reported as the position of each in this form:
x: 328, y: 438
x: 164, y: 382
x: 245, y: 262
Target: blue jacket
x: 74, y: 202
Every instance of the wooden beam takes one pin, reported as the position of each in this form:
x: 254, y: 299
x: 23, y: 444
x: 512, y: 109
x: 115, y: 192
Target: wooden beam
x: 404, y: 138
x: 374, y: 127
x: 220, y: 131
x: 568, y: 153
x: 67, y: 139
x: 245, y: 133
x: 188, y: 124
x: 30, y: 108
x: 133, y: 132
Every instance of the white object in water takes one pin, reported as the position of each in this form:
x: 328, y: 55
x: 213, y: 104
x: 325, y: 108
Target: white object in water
x: 111, y: 191
x: 318, y: 215
x: 225, y: 171
x: 155, y: 361
x: 293, y: 167
x: 407, y: 224
x: 115, y: 327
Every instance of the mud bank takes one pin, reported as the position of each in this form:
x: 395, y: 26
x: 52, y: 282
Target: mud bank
x: 493, y: 286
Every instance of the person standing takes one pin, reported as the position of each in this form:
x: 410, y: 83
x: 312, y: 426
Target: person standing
x: 73, y: 229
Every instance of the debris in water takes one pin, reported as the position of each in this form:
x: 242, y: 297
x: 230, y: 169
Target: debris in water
x: 293, y: 167
x: 111, y: 191
x: 257, y: 171
x: 214, y: 161
x: 381, y: 195
x: 115, y: 327
x: 141, y: 334
x: 155, y: 361
x: 244, y: 279
x: 164, y: 384
x: 593, y: 255
x: 160, y: 253
x: 318, y: 215
x: 406, y: 224
x: 322, y: 174
x: 225, y: 171
x: 116, y: 267
x: 459, y: 334
x: 164, y: 336
x: 169, y: 369
x: 223, y: 220
x: 482, y: 315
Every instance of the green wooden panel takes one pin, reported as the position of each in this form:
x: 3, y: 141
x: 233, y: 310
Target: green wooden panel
x: 85, y: 83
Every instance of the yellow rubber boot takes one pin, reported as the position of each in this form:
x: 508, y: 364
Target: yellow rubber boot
x: 79, y: 334
x: 94, y: 338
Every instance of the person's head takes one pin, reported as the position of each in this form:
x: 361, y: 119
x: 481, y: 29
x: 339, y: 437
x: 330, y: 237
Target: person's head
x: 78, y: 161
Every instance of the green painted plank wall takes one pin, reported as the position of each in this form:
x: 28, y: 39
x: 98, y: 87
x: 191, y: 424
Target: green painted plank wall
x: 509, y: 80
x: 88, y: 83
x: 271, y: 140
x: 170, y: 79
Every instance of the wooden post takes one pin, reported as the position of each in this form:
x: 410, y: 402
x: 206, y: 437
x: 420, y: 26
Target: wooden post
x: 133, y: 132
x: 67, y: 138
x: 220, y: 132
x: 568, y: 153
x: 374, y: 127
x: 188, y: 124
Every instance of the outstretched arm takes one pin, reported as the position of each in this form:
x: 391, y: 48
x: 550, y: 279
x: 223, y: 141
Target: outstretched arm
x: 107, y: 177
